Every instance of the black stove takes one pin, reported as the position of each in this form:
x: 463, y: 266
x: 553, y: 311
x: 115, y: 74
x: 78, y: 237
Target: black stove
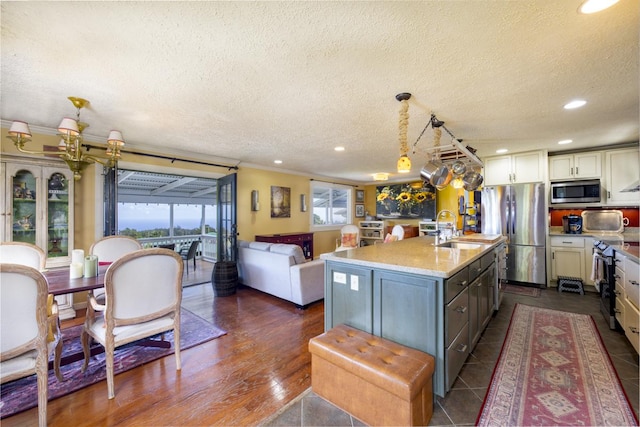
x: 604, y: 251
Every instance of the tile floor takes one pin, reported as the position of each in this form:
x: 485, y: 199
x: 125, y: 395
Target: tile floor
x: 462, y: 404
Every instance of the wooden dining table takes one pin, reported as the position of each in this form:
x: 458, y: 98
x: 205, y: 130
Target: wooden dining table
x: 60, y: 283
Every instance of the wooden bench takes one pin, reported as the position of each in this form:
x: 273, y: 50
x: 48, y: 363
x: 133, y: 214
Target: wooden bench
x: 376, y: 380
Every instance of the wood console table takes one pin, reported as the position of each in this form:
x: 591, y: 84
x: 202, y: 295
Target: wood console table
x: 304, y: 240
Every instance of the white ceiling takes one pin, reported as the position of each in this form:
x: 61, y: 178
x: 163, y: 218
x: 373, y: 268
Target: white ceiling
x: 249, y: 82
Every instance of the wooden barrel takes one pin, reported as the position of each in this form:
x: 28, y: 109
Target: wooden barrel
x: 224, y: 278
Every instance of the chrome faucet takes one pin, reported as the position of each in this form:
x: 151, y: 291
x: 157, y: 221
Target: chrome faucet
x: 439, y: 234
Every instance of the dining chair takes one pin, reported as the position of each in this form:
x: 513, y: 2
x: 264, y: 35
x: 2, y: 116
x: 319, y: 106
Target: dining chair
x: 398, y: 231
x: 109, y: 249
x: 190, y: 254
x: 24, y: 254
x: 143, y: 293
x: 24, y: 324
x: 348, y: 237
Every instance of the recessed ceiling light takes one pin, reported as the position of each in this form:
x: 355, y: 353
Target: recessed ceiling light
x: 339, y: 148
x: 593, y: 6
x: 575, y: 104
x: 277, y: 162
x: 501, y: 150
x: 565, y: 141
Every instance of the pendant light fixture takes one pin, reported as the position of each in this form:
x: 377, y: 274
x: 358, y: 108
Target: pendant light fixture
x: 404, y: 162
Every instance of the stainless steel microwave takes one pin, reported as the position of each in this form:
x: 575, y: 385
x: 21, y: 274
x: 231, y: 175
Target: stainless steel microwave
x: 576, y: 191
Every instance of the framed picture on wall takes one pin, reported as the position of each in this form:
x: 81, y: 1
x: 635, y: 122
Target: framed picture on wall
x: 359, y: 196
x: 359, y: 211
x: 280, y: 202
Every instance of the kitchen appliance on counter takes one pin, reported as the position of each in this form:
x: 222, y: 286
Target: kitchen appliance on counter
x: 572, y: 224
x: 518, y: 212
x: 576, y: 192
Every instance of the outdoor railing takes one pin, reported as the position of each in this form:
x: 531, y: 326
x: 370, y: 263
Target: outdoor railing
x: 207, y: 249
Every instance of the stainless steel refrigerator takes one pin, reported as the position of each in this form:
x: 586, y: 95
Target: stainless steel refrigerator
x: 518, y: 212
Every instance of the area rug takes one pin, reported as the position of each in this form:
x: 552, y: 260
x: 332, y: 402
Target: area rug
x: 22, y: 394
x: 527, y: 291
x: 554, y: 370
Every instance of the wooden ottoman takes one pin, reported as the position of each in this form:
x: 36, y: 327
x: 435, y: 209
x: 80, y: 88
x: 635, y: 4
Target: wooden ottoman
x: 376, y: 380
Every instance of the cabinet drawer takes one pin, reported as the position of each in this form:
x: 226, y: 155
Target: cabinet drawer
x: 456, y: 315
x: 620, y: 309
x: 475, y: 268
x: 456, y: 283
x: 487, y: 260
x: 632, y: 326
x: 457, y: 353
x: 570, y: 242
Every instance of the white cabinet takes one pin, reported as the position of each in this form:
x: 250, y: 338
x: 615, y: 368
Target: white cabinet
x: 575, y: 166
x: 567, y: 257
x: 622, y: 171
x: 627, y: 295
x: 514, y: 169
x: 371, y: 232
x: 37, y: 208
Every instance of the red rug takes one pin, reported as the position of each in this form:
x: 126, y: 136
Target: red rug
x: 528, y: 291
x: 554, y: 370
x: 22, y: 394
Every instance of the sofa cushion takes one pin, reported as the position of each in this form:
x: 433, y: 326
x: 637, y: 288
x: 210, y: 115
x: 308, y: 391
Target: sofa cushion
x: 291, y: 250
x: 261, y: 246
x: 243, y: 244
x: 349, y: 240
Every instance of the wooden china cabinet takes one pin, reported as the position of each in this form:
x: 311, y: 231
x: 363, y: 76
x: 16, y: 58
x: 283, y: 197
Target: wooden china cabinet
x: 37, y: 207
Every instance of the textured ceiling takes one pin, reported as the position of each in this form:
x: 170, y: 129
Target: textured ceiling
x: 249, y: 82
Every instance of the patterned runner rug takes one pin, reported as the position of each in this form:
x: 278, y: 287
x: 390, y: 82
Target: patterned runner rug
x: 554, y: 370
x: 528, y: 291
x: 22, y: 394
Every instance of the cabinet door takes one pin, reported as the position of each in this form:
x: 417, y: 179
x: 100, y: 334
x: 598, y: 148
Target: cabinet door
x: 497, y: 170
x: 632, y: 282
x: 632, y: 326
x: 527, y: 167
x: 588, y: 165
x: 567, y: 262
x: 348, y: 297
x: 25, y: 204
x: 560, y: 167
x: 622, y: 172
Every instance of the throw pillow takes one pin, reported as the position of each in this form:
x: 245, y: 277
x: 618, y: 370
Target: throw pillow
x: 261, y: 246
x: 390, y: 238
x: 349, y: 240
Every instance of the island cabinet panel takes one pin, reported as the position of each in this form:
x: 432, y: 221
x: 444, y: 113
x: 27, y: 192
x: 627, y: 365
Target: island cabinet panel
x: 404, y: 308
x: 348, y: 297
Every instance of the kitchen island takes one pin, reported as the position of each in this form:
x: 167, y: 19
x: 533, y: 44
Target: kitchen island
x: 434, y: 298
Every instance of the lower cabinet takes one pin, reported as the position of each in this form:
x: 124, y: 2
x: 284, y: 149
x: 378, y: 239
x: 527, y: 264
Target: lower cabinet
x: 431, y: 314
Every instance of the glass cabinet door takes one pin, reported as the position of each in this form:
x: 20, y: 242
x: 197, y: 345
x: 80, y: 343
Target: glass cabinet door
x: 57, y: 215
x: 24, y: 215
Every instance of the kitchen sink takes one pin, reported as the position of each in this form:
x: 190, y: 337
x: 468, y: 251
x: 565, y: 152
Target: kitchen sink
x: 460, y: 245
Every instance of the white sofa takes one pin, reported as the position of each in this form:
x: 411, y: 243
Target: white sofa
x: 281, y: 270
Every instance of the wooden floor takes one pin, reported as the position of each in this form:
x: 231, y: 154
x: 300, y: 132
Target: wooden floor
x: 239, y: 379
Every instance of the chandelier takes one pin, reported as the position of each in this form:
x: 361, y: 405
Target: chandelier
x: 71, y: 142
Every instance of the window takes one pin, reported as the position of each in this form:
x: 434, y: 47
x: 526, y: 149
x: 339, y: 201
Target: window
x: 331, y: 205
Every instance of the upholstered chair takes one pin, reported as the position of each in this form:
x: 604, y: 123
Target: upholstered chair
x: 24, y: 329
x: 349, y: 237
x: 109, y: 249
x: 398, y: 231
x: 23, y: 254
x: 143, y: 293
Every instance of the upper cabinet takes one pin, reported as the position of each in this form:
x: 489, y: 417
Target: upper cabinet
x: 515, y: 168
x: 575, y: 166
x: 37, y: 207
x: 622, y: 173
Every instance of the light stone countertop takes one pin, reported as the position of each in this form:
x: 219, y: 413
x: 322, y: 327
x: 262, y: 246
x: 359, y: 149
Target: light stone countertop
x: 417, y: 255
